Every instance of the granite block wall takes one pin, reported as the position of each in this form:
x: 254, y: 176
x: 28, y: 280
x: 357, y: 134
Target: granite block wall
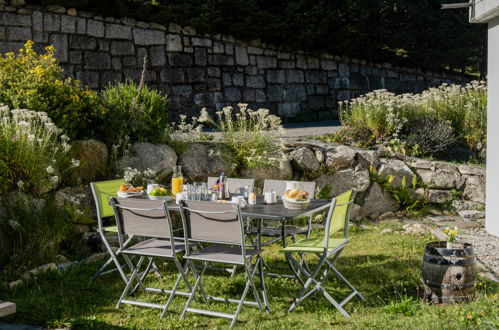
x: 198, y: 70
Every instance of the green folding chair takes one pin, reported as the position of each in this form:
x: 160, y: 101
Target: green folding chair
x: 328, y: 250
x: 102, y: 191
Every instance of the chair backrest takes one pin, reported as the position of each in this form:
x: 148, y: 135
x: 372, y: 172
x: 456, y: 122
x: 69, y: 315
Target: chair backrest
x: 279, y: 186
x: 142, y: 217
x: 212, y: 222
x: 236, y: 185
x: 102, y: 191
x: 339, y: 214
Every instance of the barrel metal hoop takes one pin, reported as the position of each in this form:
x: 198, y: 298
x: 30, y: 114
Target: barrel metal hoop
x: 446, y: 261
x: 450, y: 286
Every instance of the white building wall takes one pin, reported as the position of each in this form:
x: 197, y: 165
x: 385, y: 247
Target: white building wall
x: 492, y: 199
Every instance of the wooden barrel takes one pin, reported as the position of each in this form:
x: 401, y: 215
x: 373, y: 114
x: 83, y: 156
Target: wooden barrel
x: 449, y: 274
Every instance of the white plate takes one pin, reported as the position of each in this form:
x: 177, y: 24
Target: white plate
x: 161, y: 198
x: 129, y: 194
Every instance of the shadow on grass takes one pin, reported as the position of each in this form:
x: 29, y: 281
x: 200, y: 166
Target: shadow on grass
x: 70, y: 300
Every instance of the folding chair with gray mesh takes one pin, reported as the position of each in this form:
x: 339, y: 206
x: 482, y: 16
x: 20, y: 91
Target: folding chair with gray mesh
x: 220, y: 225
x: 283, y: 230
x: 325, y: 248
x: 102, y: 192
x: 236, y: 186
x: 149, y: 219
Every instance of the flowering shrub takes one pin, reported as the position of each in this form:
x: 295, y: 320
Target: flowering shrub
x: 137, y: 177
x: 136, y: 111
x: 252, y: 135
x: 389, y: 117
x: 34, y: 153
x: 36, y: 82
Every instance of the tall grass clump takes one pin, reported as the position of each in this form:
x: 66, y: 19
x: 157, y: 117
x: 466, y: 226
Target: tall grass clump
x: 35, y: 81
x: 136, y: 111
x: 33, y: 151
x: 456, y: 114
x: 31, y: 231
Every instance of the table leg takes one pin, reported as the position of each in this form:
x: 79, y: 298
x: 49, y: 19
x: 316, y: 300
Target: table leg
x: 260, y: 266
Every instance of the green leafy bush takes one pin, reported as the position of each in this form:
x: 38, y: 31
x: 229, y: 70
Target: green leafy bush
x: 35, y: 81
x: 34, y: 230
x: 136, y: 111
x: 33, y: 153
x: 451, y: 111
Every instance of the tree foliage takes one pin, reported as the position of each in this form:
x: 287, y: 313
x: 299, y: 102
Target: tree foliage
x: 405, y: 32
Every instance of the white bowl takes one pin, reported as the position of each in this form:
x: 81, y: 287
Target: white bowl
x: 161, y: 198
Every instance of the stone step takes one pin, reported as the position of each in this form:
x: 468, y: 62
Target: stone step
x: 7, y: 308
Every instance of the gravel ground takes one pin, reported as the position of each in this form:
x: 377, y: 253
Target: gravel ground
x: 486, y: 247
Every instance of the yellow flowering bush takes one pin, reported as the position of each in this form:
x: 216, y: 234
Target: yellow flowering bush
x: 35, y: 81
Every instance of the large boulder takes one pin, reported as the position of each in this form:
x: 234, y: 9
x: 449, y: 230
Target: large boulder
x: 158, y: 157
x: 305, y: 159
x: 93, y: 156
x: 340, y: 157
x: 200, y: 161
x: 283, y: 171
x: 344, y: 180
x: 434, y: 195
x: 474, y: 189
x: 396, y: 168
x: 368, y: 158
x: 440, y: 178
x: 377, y: 201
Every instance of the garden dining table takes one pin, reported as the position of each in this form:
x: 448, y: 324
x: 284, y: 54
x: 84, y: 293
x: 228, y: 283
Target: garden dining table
x: 261, y: 211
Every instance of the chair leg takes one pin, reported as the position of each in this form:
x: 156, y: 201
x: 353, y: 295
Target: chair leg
x: 342, y: 278
x: 113, y: 258
x: 196, y: 285
x: 240, y: 305
x: 130, y: 281
x: 318, y: 283
x: 181, y: 276
x: 142, y: 277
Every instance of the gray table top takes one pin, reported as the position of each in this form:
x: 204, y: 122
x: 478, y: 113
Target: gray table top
x: 274, y: 211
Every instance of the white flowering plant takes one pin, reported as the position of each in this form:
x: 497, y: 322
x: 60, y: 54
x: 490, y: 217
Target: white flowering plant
x: 386, y: 117
x: 137, y: 177
x: 252, y: 135
x: 34, y: 151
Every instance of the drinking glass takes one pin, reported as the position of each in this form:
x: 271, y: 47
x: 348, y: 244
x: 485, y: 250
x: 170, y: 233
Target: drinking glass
x: 197, y: 192
x: 205, y: 192
x: 188, y: 191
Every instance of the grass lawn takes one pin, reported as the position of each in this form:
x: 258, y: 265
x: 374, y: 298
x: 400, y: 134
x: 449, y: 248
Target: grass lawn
x: 384, y: 268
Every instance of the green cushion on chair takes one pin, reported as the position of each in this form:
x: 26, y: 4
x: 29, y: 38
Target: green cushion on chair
x: 314, y: 245
x: 113, y: 229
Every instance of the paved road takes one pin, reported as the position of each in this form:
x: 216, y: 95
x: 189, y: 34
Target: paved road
x: 296, y: 130
x: 311, y: 128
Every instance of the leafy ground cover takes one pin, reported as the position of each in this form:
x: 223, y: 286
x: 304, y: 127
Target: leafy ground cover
x: 384, y: 267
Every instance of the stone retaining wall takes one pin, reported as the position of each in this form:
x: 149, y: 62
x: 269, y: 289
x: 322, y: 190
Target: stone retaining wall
x: 198, y: 70
x: 336, y: 166
x: 443, y: 182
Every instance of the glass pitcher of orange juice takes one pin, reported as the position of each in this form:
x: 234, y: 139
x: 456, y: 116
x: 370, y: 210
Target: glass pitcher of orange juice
x: 177, y: 180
